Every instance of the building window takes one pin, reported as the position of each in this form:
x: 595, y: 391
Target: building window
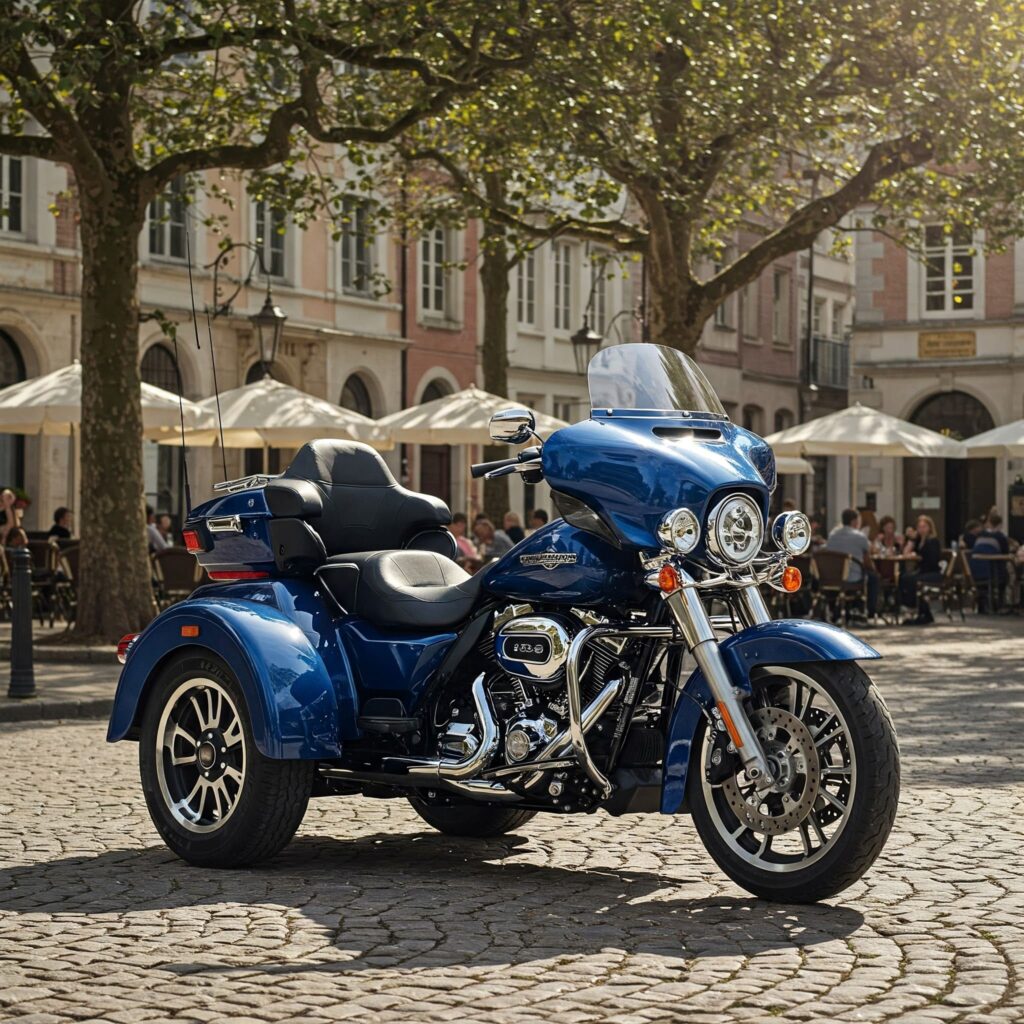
x: 434, y: 272
x: 599, y: 293
x: 564, y: 409
x: 563, y: 286
x: 949, y: 269
x: 167, y: 222
x: 783, y: 419
x: 526, y: 290
x: 11, y: 194
x: 818, y: 320
x: 780, y: 307
x: 356, y: 248
x: 838, y: 309
x: 723, y: 310
x: 12, y: 446
x: 158, y: 368
x: 753, y: 418
x: 271, y: 225
x: 750, y: 311
x: 355, y: 396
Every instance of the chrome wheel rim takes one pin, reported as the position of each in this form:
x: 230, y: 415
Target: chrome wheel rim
x: 200, y: 755
x: 806, y: 736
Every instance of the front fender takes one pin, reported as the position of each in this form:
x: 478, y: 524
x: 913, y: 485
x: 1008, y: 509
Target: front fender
x: 293, y: 703
x: 780, y: 642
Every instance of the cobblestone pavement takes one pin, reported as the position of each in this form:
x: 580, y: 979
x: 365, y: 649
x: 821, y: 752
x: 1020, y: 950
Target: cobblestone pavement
x: 370, y: 917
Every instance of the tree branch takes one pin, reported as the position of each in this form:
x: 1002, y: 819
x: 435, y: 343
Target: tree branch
x: 805, y: 224
x: 40, y: 146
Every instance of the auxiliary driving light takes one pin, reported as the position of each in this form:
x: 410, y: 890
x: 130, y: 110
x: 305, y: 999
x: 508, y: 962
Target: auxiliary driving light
x: 791, y: 532
x: 679, y: 531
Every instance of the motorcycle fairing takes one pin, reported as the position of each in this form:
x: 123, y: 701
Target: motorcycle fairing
x: 632, y: 468
x: 780, y: 642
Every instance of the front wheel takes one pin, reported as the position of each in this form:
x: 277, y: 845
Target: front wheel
x: 832, y: 746
x: 214, y: 798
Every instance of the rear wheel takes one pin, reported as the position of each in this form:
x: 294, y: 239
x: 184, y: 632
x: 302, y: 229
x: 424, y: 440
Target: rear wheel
x: 214, y: 798
x: 833, y: 749
x: 465, y: 819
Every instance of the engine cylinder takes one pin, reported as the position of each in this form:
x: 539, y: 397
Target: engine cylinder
x: 534, y: 646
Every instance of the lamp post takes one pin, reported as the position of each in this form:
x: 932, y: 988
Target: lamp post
x: 269, y: 324
x: 585, y: 343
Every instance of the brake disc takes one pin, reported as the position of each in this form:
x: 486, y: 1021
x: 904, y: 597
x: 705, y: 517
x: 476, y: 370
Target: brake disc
x: 790, y: 749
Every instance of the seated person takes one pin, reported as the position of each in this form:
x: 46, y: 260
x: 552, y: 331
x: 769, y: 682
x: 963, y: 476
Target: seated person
x: 848, y: 540
x: 886, y: 544
x: 991, y: 576
x: 61, y: 528
x: 923, y: 545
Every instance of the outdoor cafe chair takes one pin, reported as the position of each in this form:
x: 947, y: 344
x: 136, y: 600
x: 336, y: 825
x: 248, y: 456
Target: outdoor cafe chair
x: 67, y: 580
x: 836, y: 592
x: 177, y: 574
x: 949, y: 589
x: 888, y: 570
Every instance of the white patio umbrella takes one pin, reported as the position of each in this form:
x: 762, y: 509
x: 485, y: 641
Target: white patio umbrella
x: 268, y: 414
x: 792, y: 465
x: 860, y: 430
x: 1005, y: 442
x: 51, y: 406
x: 459, y: 418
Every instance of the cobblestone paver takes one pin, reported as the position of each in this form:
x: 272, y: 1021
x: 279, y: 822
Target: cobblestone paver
x: 370, y: 917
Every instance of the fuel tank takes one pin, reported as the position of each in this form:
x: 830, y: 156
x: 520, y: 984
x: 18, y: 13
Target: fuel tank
x: 561, y: 564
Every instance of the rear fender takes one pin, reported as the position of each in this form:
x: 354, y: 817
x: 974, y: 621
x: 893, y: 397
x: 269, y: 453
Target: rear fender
x: 780, y: 642
x: 296, y: 708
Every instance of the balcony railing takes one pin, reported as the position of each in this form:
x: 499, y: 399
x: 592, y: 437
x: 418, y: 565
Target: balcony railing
x: 830, y: 363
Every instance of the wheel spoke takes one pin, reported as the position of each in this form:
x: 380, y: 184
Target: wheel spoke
x: 836, y: 771
x: 824, y: 725
x: 818, y: 830
x: 234, y: 774
x: 805, y: 837
x: 823, y: 740
x: 180, y: 733
x: 183, y: 759
x: 204, y: 722
x: 832, y: 799
x: 765, y: 847
x: 233, y: 733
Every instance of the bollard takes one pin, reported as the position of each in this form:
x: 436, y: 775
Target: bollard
x: 23, y: 679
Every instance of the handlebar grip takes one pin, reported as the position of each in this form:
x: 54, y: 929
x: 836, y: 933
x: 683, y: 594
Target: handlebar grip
x: 481, y: 468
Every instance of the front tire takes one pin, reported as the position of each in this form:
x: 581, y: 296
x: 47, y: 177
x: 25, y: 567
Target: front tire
x: 471, y: 820
x: 214, y: 798
x: 834, y: 745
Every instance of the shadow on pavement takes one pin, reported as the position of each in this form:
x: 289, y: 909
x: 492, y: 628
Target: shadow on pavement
x: 418, y: 901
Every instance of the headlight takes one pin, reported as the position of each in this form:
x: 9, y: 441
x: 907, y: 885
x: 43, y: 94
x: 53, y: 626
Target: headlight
x: 679, y: 531
x: 735, y: 529
x: 791, y: 532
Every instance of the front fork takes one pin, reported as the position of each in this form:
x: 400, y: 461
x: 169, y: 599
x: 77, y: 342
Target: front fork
x: 699, y: 635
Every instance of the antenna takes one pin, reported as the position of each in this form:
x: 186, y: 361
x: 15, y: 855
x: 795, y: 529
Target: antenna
x: 216, y: 395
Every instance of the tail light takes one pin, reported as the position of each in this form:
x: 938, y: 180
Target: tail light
x: 124, y: 646
x: 238, y: 574
x: 193, y: 543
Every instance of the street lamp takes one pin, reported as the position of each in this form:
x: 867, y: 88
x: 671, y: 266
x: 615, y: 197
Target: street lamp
x: 269, y: 324
x: 585, y: 343
x: 269, y: 321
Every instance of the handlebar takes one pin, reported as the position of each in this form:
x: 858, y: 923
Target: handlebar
x: 480, y: 469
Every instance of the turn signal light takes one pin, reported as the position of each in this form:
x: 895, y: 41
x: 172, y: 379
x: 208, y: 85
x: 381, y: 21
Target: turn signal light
x: 192, y: 541
x: 668, y: 578
x: 730, y: 726
x: 792, y: 579
x: 190, y: 631
x: 123, y: 644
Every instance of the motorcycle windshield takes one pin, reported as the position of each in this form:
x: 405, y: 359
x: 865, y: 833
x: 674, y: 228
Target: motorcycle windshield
x: 649, y: 378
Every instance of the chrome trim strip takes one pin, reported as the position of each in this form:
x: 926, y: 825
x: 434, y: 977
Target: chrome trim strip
x: 224, y: 524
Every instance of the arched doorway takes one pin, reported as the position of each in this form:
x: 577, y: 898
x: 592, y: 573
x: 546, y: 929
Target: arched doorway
x: 436, y: 459
x: 951, y: 491
x: 161, y: 462
x: 12, y: 446
x: 355, y: 396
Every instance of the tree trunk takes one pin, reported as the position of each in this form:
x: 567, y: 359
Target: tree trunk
x: 494, y: 270
x: 115, y: 594
x: 676, y: 308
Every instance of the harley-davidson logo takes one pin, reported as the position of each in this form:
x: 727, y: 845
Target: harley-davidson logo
x: 549, y: 559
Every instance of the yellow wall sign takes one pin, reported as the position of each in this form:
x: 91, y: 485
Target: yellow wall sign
x: 946, y: 345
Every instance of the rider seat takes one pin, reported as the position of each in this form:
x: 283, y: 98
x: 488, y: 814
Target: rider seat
x: 404, y: 589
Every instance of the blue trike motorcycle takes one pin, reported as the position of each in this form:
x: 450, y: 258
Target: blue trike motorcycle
x: 622, y: 658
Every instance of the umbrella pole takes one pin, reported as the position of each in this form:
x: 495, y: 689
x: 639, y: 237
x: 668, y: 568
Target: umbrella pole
x: 853, y: 474
x: 266, y: 459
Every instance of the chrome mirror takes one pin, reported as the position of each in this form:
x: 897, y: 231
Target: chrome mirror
x: 512, y: 426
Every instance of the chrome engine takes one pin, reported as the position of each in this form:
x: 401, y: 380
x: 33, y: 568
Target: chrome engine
x: 534, y: 646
